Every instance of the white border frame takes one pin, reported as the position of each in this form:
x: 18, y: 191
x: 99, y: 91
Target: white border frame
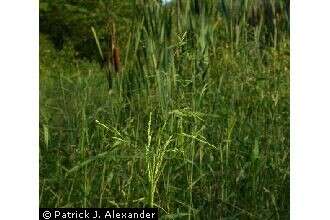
x: 310, y: 109
x: 19, y: 115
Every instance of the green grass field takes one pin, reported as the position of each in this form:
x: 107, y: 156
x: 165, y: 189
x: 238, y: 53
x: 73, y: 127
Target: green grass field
x: 197, y: 123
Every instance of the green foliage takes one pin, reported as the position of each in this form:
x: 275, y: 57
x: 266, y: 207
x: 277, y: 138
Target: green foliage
x: 72, y: 20
x: 197, y: 124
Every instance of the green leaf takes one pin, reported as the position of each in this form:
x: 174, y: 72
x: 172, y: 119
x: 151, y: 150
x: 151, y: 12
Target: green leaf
x: 255, y: 152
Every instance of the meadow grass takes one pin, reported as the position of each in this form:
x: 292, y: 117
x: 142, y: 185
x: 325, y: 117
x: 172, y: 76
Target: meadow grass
x: 197, y: 123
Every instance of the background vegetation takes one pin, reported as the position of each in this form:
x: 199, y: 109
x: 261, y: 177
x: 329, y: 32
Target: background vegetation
x: 197, y: 123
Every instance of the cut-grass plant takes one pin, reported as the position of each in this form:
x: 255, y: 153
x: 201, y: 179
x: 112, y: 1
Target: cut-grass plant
x: 216, y: 145
x: 154, y: 158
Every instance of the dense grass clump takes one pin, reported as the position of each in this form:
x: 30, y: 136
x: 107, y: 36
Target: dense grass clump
x: 197, y: 123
